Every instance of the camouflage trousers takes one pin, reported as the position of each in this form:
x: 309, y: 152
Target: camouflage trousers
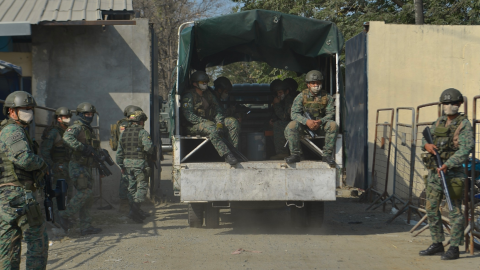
x: 137, y: 184
x: 123, y: 187
x: 231, y: 133
x: 294, y: 131
x: 63, y: 174
x: 434, y: 196
x: 82, y: 201
x: 279, y: 136
x: 11, y: 227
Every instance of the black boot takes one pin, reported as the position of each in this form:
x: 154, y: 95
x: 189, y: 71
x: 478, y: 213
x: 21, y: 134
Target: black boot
x: 433, y: 249
x: 452, y: 254
x: 293, y: 159
x: 139, y: 211
x: 64, y: 223
x: 90, y: 230
x: 230, y: 159
x: 134, y: 215
x: 329, y: 160
x: 143, y: 213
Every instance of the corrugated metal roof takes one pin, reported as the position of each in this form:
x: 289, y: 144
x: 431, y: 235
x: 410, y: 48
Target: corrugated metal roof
x: 35, y: 11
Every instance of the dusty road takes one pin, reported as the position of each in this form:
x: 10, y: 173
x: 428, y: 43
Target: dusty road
x: 268, y: 239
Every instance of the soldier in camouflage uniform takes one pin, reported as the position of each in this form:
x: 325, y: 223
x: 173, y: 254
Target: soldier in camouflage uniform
x: 116, y: 131
x: 321, y: 107
x: 83, y: 142
x: 453, y: 138
x: 282, y: 106
x: 55, y: 153
x: 21, y: 174
x: 134, y: 149
x: 223, y: 86
x: 204, y: 116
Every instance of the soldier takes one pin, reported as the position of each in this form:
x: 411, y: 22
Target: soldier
x: 292, y: 86
x: 54, y: 151
x: 83, y: 141
x: 321, y: 107
x: 453, y: 139
x: 21, y: 174
x: 134, y: 149
x: 204, y: 116
x: 117, y: 130
x: 282, y: 106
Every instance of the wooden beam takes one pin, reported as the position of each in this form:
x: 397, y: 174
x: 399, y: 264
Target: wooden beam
x: 98, y: 22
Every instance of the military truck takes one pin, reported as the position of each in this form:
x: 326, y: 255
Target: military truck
x: 201, y: 177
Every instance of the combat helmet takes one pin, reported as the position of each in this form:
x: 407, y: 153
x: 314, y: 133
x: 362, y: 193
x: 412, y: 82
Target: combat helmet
x: 451, y: 95
x: 199, y: 76
x: 277, y: 84
x: 85, y: 107
x: 223, y: 83
x: 137, y: 116
x: 63, y: 111
x: 131, y: 109
x: 18, y: 99
x: 314, y: 75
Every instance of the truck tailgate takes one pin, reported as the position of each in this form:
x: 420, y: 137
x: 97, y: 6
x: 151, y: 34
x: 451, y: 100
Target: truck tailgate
x: 257, y: 181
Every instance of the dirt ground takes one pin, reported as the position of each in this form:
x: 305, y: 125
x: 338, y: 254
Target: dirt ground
x: 351, y: 238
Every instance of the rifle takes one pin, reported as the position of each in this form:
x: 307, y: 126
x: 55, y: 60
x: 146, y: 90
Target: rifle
x: 100, y: 157
x: 309, y: 117
x: 428, y: 137
x: 59, y: 193
x: 235, y: 151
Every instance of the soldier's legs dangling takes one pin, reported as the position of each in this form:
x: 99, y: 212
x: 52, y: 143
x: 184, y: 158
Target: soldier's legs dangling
x: 209, y: 130
x: 331, y: 130
x: 293, y: 133
x: 233, y: 127
x: 279, y: 139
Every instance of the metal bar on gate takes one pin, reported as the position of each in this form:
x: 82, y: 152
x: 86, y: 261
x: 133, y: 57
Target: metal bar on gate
x: 472, y: 182
x: 195, y: 150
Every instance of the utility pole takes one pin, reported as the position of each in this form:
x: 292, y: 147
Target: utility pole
x: 418, y: 11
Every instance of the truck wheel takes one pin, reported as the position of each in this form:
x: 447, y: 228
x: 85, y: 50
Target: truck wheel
x: 195, y: 215
x: 315, y: 213
x: 298, y: 217
x: 212, y: 216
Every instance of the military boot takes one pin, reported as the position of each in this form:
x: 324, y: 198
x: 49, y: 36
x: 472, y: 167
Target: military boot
x: 133, y: 215
x: 124, y: 206
x: 90, y: 230
x: 452, y: 254
x: 329, y: 160
x: 65, y: 223
x: 433, y: 249
x: 230, y: 159
x: 293, y: 159
x: 140, y: 212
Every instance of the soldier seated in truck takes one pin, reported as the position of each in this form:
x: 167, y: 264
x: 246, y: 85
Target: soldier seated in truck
x: 204, y: 116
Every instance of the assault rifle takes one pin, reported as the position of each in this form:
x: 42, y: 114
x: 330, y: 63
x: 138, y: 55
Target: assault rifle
x: 428, y: 137
x: 309, y: 117
x: 100, y: 157
x: 59, y: 193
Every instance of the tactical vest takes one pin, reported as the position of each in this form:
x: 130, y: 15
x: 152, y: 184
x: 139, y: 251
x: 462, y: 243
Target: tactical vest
x: 131, y: 143
x: 60, y: 153
x: 315, y: 105
x: 203, y: 105
x: 446, y: 140
x: 88, y: 137
x: 9, y: 172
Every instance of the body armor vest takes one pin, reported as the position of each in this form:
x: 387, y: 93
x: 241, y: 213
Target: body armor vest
x: 60, y: 153
x: 9, y: 172
x: 131, y: 143
x: 315, y: 105
x: 446, y: 140
x: 203, y: 105
x: 88, y: 137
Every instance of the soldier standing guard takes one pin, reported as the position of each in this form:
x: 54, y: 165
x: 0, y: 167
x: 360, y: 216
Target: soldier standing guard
x: 453, y: 139
x: 81, y: 138
x: 22, y: 171
x: 321, y: 107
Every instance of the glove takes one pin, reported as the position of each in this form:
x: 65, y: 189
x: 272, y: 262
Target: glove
x: 219, y: 127
x: 87, y: 150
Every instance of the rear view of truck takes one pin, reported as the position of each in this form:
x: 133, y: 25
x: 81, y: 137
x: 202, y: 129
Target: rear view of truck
x: 201, y: 177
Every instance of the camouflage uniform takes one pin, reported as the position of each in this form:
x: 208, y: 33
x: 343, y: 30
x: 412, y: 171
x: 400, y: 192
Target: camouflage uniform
x: 282, y: 111
x: 321, y: 107
x: 133, y: 158
x: 80, y: 171
x: 200, y: 112
x: 19, y: 161
x: 57, y: 156
x: 123, y: 187
x: 455, y: 178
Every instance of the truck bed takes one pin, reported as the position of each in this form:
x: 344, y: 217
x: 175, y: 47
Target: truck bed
x: 256, y: 181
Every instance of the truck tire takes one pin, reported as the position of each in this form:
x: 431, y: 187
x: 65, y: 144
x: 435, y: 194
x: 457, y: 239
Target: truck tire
x: 315, y: 213
x: 212, y: 216
x: 195, y: 215
x: 298, y: 217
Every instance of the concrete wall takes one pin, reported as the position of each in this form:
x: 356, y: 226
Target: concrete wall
x: 110, y: 69
x: 410, y: 65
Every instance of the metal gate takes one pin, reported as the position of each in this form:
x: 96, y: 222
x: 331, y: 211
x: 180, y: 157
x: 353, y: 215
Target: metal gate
x: 356, y: 130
